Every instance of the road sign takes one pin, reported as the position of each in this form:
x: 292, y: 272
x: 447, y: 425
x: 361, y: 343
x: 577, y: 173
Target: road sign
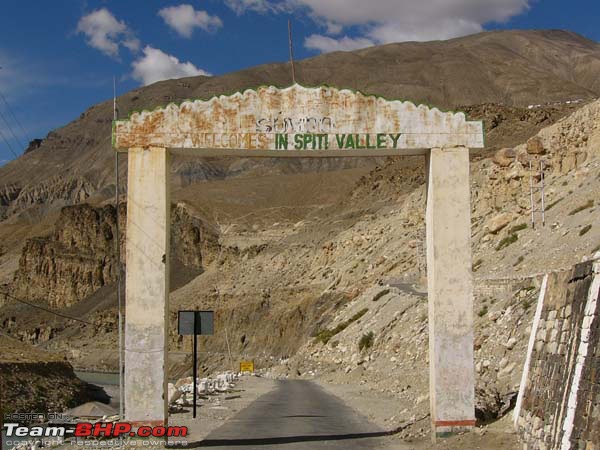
x: 247, y: 366
x: 193, y: 323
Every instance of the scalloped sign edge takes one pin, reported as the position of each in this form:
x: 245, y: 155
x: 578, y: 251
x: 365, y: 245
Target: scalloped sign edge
x: 299, y: 120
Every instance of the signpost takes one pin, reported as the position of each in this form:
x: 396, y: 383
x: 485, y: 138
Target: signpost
x: 247, y: 366
x: 195, y: 323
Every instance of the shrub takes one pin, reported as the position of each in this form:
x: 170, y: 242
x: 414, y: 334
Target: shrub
x: 519, y: 260
x: 505, y: 242
x: 366, y: 341
x: 553, y: 204
x: 325, y: 335
x: 483, y: 311
x: 583, y: 207
x: 476, y: 265
x: 585, y: 230
x: 517, y: 228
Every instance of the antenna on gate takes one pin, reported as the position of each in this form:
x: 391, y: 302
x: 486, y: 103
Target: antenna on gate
x: 291, y: 50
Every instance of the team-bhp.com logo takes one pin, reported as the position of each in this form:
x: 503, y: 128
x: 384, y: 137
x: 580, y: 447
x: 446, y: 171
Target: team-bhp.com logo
x: 107, y: 430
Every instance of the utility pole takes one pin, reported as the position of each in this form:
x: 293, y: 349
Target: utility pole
x: 291, y: 51
x: 539, y: 187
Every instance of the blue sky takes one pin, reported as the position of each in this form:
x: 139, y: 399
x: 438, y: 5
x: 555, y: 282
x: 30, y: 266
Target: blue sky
x: 59, y: 57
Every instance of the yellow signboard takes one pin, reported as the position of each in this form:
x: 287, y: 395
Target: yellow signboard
x: 247, y: 366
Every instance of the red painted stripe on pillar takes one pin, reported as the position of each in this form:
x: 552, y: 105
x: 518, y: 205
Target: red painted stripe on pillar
x: 455, y: 423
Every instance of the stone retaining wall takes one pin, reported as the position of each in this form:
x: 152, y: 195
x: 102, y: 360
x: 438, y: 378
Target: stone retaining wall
x: 502, y: 287
x: 559, y: 399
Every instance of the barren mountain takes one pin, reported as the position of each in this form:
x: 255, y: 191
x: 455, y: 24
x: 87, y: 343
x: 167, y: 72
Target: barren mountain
x: 512, y: 68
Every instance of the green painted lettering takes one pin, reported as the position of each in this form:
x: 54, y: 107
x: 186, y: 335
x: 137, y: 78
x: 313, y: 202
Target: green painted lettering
x: 381, y: 140
x: 281, y: 141
x: 395, y: 138
x: 358, y: 145
x: 298, y: 142
x: 340, y: 140
x: 350, y: 142
x: 308, y: 138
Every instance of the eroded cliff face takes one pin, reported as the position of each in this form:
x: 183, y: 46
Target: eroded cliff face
x: 80, y: 256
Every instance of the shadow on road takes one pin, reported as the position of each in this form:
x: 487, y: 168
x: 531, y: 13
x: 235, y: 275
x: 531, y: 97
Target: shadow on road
x: 226, y: 443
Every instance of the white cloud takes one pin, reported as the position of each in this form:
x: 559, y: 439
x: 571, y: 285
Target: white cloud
x: 184, y: 19
x: 260, y: 6
x: 105, y: 33
x: 333, y: 28
x: 384, y: 21
x: 156, y: 65
x: 328, y: 44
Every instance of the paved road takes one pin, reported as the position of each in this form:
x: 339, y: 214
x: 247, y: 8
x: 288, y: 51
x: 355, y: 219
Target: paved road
x: 296, y: 415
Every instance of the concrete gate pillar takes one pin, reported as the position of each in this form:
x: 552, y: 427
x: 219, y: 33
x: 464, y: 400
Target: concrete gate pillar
x: 147, y: 288
x: 450, y: 289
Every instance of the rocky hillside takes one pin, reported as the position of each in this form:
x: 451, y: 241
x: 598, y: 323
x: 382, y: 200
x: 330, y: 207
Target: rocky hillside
x: 295, y: 254
x: 79, y: 257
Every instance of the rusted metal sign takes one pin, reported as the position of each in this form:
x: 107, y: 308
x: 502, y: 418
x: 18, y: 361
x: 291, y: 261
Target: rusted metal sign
x: 247, y: 366
x: 298, y: 119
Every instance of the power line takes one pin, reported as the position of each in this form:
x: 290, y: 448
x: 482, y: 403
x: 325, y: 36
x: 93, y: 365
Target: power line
x: 8, y: 144
x: 56, y: 313
x: 10, y: 111
x: 11, y: 130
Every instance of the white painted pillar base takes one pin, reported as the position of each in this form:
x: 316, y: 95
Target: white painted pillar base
x: 450, y: 289
x: 147, y: 289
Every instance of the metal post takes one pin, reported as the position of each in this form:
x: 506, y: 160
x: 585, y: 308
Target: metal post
x: 531, y: 196
x: 542, y: 176
x: 291, y: 51
x: 195, y: 371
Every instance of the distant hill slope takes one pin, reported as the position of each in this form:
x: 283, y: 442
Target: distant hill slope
x: 515, y: 68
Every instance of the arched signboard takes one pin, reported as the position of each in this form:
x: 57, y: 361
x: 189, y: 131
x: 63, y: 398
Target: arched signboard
x: 301, y: 122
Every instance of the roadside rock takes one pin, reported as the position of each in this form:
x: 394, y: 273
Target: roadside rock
x: 504, y: 157
x: 535, y: 146
x: 498, y: 222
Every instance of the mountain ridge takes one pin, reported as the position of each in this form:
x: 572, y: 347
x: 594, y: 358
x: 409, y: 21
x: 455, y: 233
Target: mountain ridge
x: 75, y: 163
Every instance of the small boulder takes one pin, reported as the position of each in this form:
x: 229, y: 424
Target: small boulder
x: 504, y: 157
x: 535, y: 146
x: 173, y: 393
x: 498, y: 222
x: 511, y: 343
